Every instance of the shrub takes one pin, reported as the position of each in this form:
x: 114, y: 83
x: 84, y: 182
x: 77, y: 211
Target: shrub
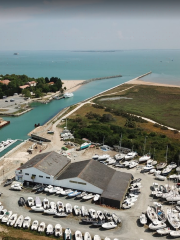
x: 164, y: 128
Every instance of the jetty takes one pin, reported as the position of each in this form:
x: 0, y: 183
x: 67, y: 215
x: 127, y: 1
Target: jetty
x: 3, y: 122
x: 143, y: 75
x: 101, y: 78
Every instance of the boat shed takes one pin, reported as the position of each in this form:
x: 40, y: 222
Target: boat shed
x: 89, y: 175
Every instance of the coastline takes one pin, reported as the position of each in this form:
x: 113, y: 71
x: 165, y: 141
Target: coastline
x: 72, y: 85
x: 136, y: 81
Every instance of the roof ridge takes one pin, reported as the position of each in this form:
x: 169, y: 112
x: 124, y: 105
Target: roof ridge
x: 84, y: 168
x: 42, y: 159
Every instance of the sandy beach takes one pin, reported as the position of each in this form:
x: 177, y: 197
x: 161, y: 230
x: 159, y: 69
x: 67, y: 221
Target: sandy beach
x: 141, y: 82
x: 72, y: 85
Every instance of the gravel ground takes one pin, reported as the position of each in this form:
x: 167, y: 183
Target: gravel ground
x: 130, y: 228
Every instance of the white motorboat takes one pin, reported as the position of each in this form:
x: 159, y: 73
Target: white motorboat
x: 6, y: 216
x: 175, y: 233
x: 153, y: 170
x: 159, y: 194
x: 60, y: 206
x: 67, y: 234
x: 173, y: 165
x: 88, y: 196
x: 96, y: 197
x: 100, y: 215
x: 2, y: 213
x: 50, y: 229
x: 74, y: 193
x: 95, y: 157
x: 155, y: 186
x: 103, y: 157
x: 173, y: 198
x: 130, y: 155
x: 127, y: 205
x: 41, y: 227
x: 109, y: 225
x: 161, y: 165
x: 108, y: 216
x: 26, y: 222
x: 92, y: 213
x: 37, y: 208
x: 119, y: 156
x: 144, y: 158
x: 130, y: 200
x: 110, y: 161
x: 48, y: 188
x: 35, y: 225
x: 11, y: 221
x: 59, y: 191
x: 84, y: 211
x: 66, y: 192
x: 178, y: 169
x: 68, y: 208
x: 16, y: 187
x: 138, y: 184
x: 68, y: 95
x: 45, y: 203
x: 154, y: 162
x: 157, y: 225
x: 52, y: 205
x: 126, y: 163
x: 77, y: 210
x: 133, y: 164
x: 116, y: 219
x: 148, y: 167
x: 160, y: 177
x: 30, y: 201
x: 54, y: 190
x: 82, y: 194
x: 97, y: 237
x: 78, y: 235
x: 87, y: 236
x: 143, y: 219
x: 58, y: 230
x: 166, y: 170
x: 152, y: 215
x: 19, y: 221
x: 164, y: 231
x: 173, y: 219
x: 50, y: 211
x: 61, y: 214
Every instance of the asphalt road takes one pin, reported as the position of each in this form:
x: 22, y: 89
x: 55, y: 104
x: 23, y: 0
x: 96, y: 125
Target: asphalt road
x: 130, y: 229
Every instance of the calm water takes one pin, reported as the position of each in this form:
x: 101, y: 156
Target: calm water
x: 83, y: 65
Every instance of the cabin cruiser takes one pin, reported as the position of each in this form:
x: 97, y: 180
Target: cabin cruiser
x: 16, y: 187
x: 127, y: 205
x: 133, y: 164
x: 88, y: 196
x: 35, y: 225
x: 116, y: 219
x: 60, y: 206
x: 166, y: 170
x: 173, y: 219
x: 48, y: 188
x: 130, y: 155
x: 96, y: 197
x: 68, y: 208
x: 30, y: 201
x: 157, y: 225
x: 103, y: 157
x: 58, y: 230
x: 19, y: 221
x: 148, y: 167
x: 73, y: 194
x: 41, y: 227
x: 77, y: 210
x: 84, y: 211
x: 100, y: 215
x: 68, y: 95
x: 108, y: 216
x: 95, y: 156
x: 54, y: 190
x: 144, y: 158
x: 26, y: 222
x: 45, y: 203
x: 93, y: 213
x: 66, y: 192
x: 97, y: 237
x: 78, y: 235
x: 67, y: 234
x: 151, y: 213
x: 11, y: 221
x: 2, y: 213
x: 87, y: 236
x: 109, y: 225
x: 49, y: 230
x: 160, y: 177
x: 119, y: 156
x: 143, y: 219
x: 164, y: 231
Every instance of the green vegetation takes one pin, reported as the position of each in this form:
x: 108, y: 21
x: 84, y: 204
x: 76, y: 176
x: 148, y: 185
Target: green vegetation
x: 42, y: 85
x: 87, y: 123
x: 160, y: 104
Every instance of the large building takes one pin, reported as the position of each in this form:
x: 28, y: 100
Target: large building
x: 89, y: 175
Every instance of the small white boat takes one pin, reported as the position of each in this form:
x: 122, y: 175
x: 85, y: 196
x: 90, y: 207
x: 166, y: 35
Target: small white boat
x: 116, y: 219
x: 173, y: 219
x: 54, y: 190
x: 11, y: 221
x: 157, y: 225
x: 173, y: 165
x: 66, y: 192
x: 92, y: 213
x: 151, y: 213
x: 6, y: 216
x: 67, y: 234
x: 153, y: 170
x: 78, y: 235
x: 77, y: 210
x: 61, y: 214
x: 60, y: 206
x: 96, y: 197
x: 59, y: 191
x: 49, y: 229
x: 100, y: 215
x: 19, y: 221
x: 82, y: 194
x: 16, y: 187
x: 160, y: 177
x: 68, y: 95
x: 110, y: 161
x: 95, y: 157
x: 144, y: 158
x: 35, y: 225
x: 2, y: 213
x: 143, y: 219
x: 166, y: 170
x: 127, y: 205
x: 109, y: 225
x: 41, y: 227
x: 58, y: 230
x: 173, y: 198
x: 87, y: 236
x: 148, y: 167
x: 30, y: 201
x: 48, y: 188
x: 37, y: 208
x: 119, y: 156
x: 103, y: 157
x: 52, y: 205
x: 175, y: 233
x: 26, y: 222
x: 88, y: 196
x: 161, y: 165
x: 154, y: 162
x: 133, y: 164
x: 68, y: 208
x: 45, y: 203
x: 50, y: 211
x: 74, y: 194
x: 84, y: 211
x: 97, y: 237
x: 164, y: 231
x: 130, y: 155
x: 130, y: 199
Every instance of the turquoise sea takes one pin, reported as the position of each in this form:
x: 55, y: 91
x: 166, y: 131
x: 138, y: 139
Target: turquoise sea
x: 83, y: 65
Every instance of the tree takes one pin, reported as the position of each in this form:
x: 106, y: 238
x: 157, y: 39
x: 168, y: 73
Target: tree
x: 38, y: 93
x: 26, y: 92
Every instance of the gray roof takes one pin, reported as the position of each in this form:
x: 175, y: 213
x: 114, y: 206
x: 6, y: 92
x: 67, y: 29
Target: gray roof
x: 117, y: 186
x: 90, y: 171
x: 50, y: 163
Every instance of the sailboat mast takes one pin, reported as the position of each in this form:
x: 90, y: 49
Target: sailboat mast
x: 166, y: 153
x: 144, y: 145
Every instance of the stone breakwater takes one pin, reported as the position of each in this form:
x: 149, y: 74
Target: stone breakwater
x: 101, y: 78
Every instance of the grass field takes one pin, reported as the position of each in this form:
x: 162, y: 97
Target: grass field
x: 161, y: 104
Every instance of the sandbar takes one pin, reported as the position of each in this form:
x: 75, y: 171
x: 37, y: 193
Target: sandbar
x: 72, y: 85
x: 141, y: 82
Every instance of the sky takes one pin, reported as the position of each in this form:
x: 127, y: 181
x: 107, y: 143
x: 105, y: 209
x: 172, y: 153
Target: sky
x: 89, y: 25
